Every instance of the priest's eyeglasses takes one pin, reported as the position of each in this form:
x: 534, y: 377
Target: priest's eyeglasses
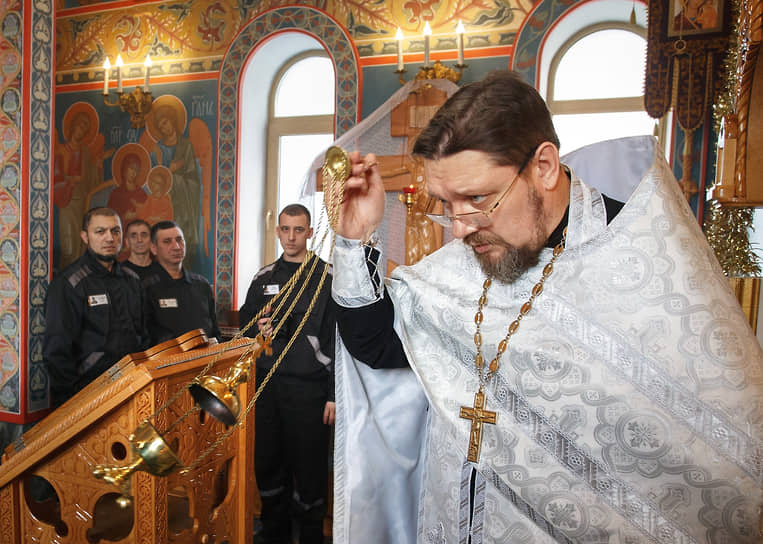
x: 477, y: 218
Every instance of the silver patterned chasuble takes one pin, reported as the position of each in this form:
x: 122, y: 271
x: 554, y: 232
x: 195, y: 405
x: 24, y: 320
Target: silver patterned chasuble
x: 628, y: 405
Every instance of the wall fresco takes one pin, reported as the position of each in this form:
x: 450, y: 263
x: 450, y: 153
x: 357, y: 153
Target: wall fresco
x: 161, y: 171
x: 373, y: 24
x: 185, y: 40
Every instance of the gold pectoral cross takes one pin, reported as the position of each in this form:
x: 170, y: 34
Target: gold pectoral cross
x: 478, y: 415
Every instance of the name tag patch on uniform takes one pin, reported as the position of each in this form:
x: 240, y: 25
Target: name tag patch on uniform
x: 271, y: 289
x: 168, y: 303
x: 97, y: 300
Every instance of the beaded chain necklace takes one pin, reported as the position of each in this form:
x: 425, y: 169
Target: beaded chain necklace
x: 477, y: 413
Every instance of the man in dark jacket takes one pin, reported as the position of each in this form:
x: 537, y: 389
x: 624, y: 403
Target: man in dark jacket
x: 177, y: 300
x: 138, y: 241
x: 93, y: 310
x: 296, y: 407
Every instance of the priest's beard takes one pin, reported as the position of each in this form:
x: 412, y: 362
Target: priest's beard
x: 515, y: 260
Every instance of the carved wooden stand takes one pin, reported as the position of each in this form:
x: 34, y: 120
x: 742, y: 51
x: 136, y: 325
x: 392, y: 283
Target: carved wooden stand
x: 214, y: 503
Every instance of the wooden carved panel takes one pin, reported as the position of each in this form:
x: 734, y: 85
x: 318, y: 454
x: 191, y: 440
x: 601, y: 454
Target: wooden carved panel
x: 9, y: 513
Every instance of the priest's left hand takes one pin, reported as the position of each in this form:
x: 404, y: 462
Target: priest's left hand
x: 329, y: 413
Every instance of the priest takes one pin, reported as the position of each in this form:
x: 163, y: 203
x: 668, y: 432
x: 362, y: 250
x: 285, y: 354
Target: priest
x: 568, y: 369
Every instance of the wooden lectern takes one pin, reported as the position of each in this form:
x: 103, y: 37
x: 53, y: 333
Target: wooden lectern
x: 47, y: 489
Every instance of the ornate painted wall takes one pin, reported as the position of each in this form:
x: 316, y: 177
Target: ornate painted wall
x: 26, y: 64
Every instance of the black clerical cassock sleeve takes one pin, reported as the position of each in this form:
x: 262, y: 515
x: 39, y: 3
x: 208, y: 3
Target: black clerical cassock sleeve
x: 367, y: 332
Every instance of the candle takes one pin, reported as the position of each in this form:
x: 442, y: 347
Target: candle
x: 410, y: 190
x: 427, y: 33
x: 460, y: 32
x: 147, y: 64
x: 119, y: 73
x: 399, y: 38
x: 106, y: 70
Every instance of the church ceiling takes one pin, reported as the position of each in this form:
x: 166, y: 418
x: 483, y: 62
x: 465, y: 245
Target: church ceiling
x: 193, y: 35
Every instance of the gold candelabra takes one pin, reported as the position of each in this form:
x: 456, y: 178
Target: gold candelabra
x: 436, y: 70
x: 138, y: 102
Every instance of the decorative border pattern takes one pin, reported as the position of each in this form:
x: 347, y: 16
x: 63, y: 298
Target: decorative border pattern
x: 9, y: 532
x: 519, y: 502
x: 39, y: 122
x: 621, y: 496
x: 339, y: 46
x: 534, y: 28
x: 26, y: 209
x: 715, y: 427
x: 11, y: 190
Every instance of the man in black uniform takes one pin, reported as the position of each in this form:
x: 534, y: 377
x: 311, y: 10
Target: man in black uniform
x: 177, y: 300
x: 296, y: 407
x: 138, y: 241
x: 92, y: 310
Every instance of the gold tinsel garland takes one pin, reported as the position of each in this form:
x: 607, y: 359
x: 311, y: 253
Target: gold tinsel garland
x: 728, y: 228
x: 725, y: 103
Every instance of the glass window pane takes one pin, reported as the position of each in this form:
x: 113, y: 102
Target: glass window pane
x: 604, y: 64
x: 295, y: 154
x: 577, y: 130
x: 313, y: 74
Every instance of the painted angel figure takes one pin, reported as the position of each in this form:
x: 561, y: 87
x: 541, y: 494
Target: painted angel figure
x: 189, y: 159
x: 77, y: 170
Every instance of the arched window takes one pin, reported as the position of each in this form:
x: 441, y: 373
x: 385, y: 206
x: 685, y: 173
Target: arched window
x: 301, y: 125
x: 596, y: 86
x: 287, y: 118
